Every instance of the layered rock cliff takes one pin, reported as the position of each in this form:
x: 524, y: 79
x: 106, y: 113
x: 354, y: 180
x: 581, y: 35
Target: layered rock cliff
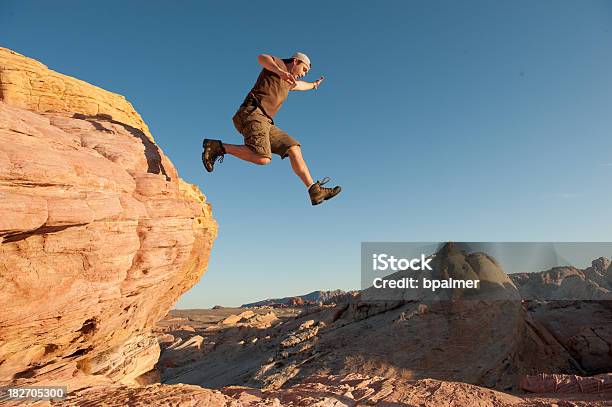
x: 98, y: 234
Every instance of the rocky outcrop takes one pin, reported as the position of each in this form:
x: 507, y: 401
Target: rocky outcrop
x: 583, y: 328
x: 322, y: 391
x: 567, y: 283
x: 351, y: 390
x: 559, y: 383
x: 27, y: 83
x: 328, y: 356
x: 464, y: 338
x: 487, y: 343
x: 99, y: 235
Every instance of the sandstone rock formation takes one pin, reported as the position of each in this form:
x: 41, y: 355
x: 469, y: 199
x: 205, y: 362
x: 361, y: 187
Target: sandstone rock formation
x: 322, y: 391
x: 251, y: 320
x: 351, y: 390
x: 483, y: 342
x: 583, y: 328
x: 567, y: 283
x: 27, y: 83
x: 486, y: 343
x: 559, y: 383
x: 98, y: 234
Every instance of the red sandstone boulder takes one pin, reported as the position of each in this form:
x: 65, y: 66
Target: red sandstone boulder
x: 99, y: 235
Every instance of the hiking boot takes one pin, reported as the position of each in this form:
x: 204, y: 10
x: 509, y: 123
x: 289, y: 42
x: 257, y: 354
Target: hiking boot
x: 318, y: 193
x: 213, y: 150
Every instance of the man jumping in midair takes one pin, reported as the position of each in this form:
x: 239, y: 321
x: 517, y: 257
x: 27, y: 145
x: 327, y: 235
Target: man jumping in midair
x: 254, y: 120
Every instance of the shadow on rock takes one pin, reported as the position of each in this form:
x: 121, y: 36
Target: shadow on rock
x: 154, y: 160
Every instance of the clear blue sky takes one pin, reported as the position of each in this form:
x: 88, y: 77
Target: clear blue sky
x: 442, y: 120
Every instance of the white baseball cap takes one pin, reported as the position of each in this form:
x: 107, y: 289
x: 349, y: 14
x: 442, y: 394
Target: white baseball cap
x: 302, y: 57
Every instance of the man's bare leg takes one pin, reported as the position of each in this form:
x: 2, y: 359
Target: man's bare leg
x: 246, y: 154
x: 317, y: 192
x: 299, y: 165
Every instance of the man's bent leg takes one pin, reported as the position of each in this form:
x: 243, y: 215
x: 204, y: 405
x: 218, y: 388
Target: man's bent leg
x: 245, y: 153
x: 299, y: 165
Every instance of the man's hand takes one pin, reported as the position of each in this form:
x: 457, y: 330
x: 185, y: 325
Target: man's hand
x: 268, y: 63
x: 315, y: 84
x: 287, y: 77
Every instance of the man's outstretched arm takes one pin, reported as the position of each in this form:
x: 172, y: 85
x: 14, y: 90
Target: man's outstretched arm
x: 303, y: 85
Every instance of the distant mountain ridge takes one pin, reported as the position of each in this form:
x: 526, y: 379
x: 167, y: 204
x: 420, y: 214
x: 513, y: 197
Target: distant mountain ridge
x: 313, y: 297
x: 567, y: 282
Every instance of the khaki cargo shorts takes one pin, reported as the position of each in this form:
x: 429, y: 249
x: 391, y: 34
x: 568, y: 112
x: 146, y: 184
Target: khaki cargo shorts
x: 260, y: 135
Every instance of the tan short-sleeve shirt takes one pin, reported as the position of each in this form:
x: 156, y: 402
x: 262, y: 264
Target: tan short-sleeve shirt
x: 271, y: 90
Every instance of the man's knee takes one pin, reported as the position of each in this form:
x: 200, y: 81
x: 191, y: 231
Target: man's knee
x: 262, y: 160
